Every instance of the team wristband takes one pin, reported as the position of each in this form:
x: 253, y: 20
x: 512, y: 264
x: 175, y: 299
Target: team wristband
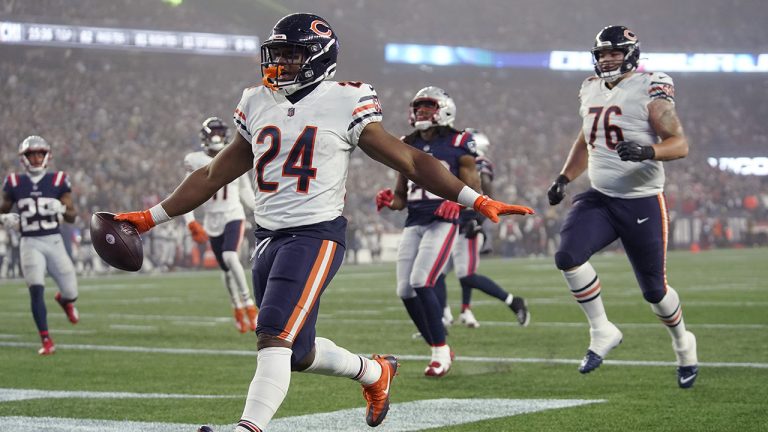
x: 467, y: 197
x: 159, y: 215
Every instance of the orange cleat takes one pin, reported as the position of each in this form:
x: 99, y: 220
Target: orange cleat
x: 377, y: 394
x: 240, y: 323
x: 48, y: 347
x: 69, y: 308
x: 253, y: 314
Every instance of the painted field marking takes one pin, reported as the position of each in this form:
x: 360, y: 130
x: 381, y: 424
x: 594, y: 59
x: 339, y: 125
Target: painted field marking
x: 402, y: 417
x: 252, y: 353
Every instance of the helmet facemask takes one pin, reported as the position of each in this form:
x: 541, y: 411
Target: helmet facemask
x: 288, y: 67
x: 214, y: 135
x: 616, y: 38
x: 29, y: 147
x: 431, y: 107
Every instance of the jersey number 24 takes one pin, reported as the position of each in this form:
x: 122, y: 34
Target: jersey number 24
x: 298, y: 163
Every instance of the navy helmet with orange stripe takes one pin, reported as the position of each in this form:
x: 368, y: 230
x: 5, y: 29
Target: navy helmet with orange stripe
x: 300, y: 51
x: 31, y: 145
x: 214, y: 135
x: 616, y: 38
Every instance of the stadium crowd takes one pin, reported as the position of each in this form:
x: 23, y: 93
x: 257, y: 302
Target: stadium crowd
x: 121, y: 122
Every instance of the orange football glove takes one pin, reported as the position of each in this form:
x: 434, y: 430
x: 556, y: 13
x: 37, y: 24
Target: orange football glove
x: 198, y: 232
x: 141, y: 219
x: 384, y: 198
x: 493, y: 209
x: 448, y: 210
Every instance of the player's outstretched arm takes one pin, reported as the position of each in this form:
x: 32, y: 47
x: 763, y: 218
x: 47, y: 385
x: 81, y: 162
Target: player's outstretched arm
x: 428, y: 172
x: 232, y: 162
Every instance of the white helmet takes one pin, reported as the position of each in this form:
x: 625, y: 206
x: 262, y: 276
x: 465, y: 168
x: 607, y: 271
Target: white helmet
x: 34, y: 143
x: 445, y: 108
x: 482, y: 143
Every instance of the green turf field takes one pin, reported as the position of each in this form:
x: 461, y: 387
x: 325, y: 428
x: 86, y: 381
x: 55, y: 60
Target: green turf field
x: 160, y: 352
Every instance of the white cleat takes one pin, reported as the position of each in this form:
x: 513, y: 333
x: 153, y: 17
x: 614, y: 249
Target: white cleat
x: 686, y: 350
x: 468, y: 319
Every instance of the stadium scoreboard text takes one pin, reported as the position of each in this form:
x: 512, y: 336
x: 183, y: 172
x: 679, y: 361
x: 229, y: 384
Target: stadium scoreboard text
x: 146, y: 40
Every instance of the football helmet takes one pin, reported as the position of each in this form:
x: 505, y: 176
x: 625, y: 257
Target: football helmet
x: 32, y: 144
x: 482, y: 143
x: 442, y: 113
x: 214, y: 135
x: 616, y: 38
x: 300, y: 51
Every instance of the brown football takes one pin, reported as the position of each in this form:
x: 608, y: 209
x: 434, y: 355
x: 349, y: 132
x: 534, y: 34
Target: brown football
x: 117, y: 242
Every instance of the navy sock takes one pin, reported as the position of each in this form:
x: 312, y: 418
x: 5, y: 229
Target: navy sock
x: 433, y: 313
x: 485, y: 285
x: 39, y: 313
x: 441, y: 291
x: 416, y: 312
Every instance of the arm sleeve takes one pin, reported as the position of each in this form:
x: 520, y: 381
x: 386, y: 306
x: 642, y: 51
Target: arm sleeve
x: 366, y: 109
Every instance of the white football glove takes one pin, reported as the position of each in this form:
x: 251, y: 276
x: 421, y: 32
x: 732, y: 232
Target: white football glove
x: 9, y: 220
x: 55, y: 206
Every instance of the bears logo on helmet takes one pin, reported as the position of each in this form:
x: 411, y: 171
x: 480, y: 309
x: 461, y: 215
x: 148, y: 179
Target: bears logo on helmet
x: 214, y: 135
x: 301, y: 51
x: 616, y: 38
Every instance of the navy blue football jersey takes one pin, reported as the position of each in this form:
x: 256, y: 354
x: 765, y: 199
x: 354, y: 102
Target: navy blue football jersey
x: 30, y: 199
x: 447, y: 148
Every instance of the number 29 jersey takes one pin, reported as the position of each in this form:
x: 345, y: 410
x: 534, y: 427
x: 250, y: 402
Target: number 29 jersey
x: 302, y: 150
x: 621, y: 114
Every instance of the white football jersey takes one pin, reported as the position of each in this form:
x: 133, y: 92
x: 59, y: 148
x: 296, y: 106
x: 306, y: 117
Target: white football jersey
x: 301, y: 151
x: 621, y: 114
x: 226, y: 204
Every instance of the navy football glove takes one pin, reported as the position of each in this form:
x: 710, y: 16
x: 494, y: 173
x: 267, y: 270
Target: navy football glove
x: 634, y: 152
x: 556, y: 192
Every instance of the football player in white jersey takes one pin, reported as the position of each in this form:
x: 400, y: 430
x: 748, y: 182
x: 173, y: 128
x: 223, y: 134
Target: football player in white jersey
x: 629, y: 127
x: 465, y: 257
x: 297, y: 132
x: 42, y: 199
x: 224, y: 222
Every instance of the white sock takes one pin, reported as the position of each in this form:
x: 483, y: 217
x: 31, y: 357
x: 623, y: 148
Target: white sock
x: 229, y: 284
x: 333, y: 360
x: 268, y: 387
x: 670, y: 312
x: 441, y: 354
x: 509, y: 299
x: 240, y: 285
x: 585, y: 288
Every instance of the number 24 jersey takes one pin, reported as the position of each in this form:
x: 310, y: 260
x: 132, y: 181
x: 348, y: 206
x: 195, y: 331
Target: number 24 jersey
x: 302, y: 150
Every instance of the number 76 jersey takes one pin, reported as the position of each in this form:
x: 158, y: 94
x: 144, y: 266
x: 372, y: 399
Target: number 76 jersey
x: 301, y: 151
x: 621, y: 114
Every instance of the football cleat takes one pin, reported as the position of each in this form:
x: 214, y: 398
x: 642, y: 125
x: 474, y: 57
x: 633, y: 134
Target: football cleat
x: 48, y: 348
x: 468, y: 319
x: 240, y: 323
x: 520, y: 307
x: 205, y: 428
x: 687, y: 360
x: 253, y: 314
x: 686, y: 376
x: 437, y: 369
x: 602, y: 341
x: 69, y: 308
x: 377, y: 394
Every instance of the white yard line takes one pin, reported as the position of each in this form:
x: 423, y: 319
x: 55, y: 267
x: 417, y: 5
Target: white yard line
x: 198, y: 351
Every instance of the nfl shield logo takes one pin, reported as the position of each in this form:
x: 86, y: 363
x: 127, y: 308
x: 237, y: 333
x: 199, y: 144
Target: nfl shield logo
x: 291, y: 111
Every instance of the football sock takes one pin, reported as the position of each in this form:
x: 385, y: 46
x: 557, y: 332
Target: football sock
x: 39, y: 312
x: 333, y: 360
x: 585, y: 288
x: 267, y: 389
x: 670, y: 312
x: 484, y: 284
x: 433, y: 313
x: 229, y: 284
x: 416, y: 312
x: 240, y: 287
x: 440, y: 291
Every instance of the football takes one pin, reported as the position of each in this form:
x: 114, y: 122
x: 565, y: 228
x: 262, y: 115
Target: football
x: 117, y: 242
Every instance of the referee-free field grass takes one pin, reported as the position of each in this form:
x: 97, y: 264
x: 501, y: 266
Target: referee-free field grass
x: 160, y: 352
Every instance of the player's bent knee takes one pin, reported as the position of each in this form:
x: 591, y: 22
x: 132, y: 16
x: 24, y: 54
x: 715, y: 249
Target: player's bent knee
x: 653, y: 295
x: 565, y: 261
